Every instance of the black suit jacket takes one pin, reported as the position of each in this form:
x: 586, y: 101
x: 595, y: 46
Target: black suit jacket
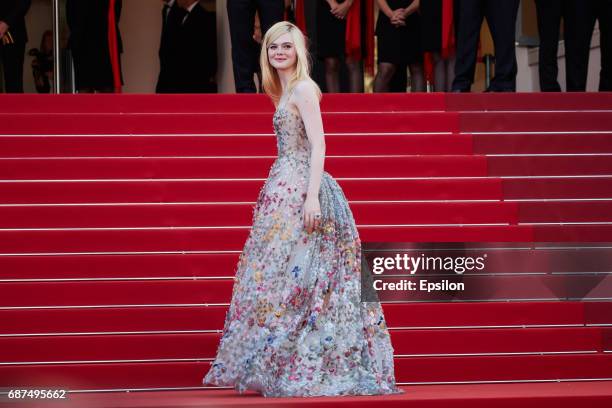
x: 188, y: 51
x: 13, y: 12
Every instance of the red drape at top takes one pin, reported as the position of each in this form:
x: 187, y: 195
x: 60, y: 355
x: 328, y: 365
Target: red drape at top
x: 300, y: 19
x: 353, y: 31
x: 353, y: 34
x: 112, y: 46
x: 448, y: 38
x: 448, y: 29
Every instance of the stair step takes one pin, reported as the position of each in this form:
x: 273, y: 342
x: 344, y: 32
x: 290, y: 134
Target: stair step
x: 144, y: 146
x: 407, y: 369
x: 529, y: 101
x: 146, y: 103
x: 568, y: 211
x: 342, y: 167
x: 122, y: 191
x: 235, y: 214
x: 549, y: 165
x: 153, y: 215
x: 542, y: 143
x: 168, y: 292
x: 409, y: 316
x: 227, y: 168
x: 572, y: 121
x: 218, y: 123
x: 20, y: 192
x: 557, y: 188
x: 570, y: 259
x: 23, y: 349
x: 334, y: 122
x: 222, y: 239
x: 219, y: 103
x: 353, y: 144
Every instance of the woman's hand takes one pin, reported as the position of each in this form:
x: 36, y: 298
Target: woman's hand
x: 398, y: 18
x: 311, y: 209
x: 3, y: 28
x: 341, y: 10
x: 400, y: 15
x: 332, y: 4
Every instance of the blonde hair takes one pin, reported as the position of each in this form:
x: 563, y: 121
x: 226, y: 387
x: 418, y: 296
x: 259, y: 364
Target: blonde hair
x: 270, y: 80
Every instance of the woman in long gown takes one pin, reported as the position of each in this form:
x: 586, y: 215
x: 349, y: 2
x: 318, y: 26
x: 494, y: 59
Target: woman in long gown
x: 296, y: 325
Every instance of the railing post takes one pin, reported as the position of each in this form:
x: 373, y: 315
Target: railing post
x: 56, y: 47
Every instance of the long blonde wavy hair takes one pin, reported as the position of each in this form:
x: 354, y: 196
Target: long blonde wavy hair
x: 270, y: 80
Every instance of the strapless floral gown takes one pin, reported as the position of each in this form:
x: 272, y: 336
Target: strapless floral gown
x: 296, y: 325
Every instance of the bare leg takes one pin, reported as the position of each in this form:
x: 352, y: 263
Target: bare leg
x: 417, y: 78
x: 439, y: 72
x: 450, y: 72
x: 383, y: 76
x: 355, y: 78
x: 444, y: 72
x: 332, y: 73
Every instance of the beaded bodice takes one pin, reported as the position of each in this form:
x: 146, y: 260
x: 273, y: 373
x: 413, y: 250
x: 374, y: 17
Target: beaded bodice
x: 291, y: 138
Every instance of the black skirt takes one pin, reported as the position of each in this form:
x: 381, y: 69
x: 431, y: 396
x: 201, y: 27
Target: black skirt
x: 399, y: 45
x: 331, y: 32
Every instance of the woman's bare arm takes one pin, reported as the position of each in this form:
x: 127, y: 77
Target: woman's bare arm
x: 307, y: 103
x: 413, y: 7
x: 384, y: 7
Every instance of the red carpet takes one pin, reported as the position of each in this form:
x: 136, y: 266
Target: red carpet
x: 122, y: 218
x: 532, y: 395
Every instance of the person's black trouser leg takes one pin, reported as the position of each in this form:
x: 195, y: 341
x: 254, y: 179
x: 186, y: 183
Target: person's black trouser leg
x: 549, y: 23
x: 241, y: 16
x: 270, y: 13
x: 604, y: 14
x: 572, y: 31
x: 471, y: 14
x: 12, y: 56
x: 501, y: 16
x: 245, y: 51
x: 585, y: 13
x: 583, y: 17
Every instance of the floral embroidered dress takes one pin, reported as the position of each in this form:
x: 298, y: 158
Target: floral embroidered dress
x: 296, y: 325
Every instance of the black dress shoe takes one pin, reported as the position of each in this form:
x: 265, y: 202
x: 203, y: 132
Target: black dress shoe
x: 460, y: 91
x: 499, y: 90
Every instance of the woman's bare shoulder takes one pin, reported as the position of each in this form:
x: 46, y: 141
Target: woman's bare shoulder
x: 306, y: 88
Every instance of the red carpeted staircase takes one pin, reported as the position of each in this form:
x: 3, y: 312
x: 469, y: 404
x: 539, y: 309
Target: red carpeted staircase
x: 122, y: 218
